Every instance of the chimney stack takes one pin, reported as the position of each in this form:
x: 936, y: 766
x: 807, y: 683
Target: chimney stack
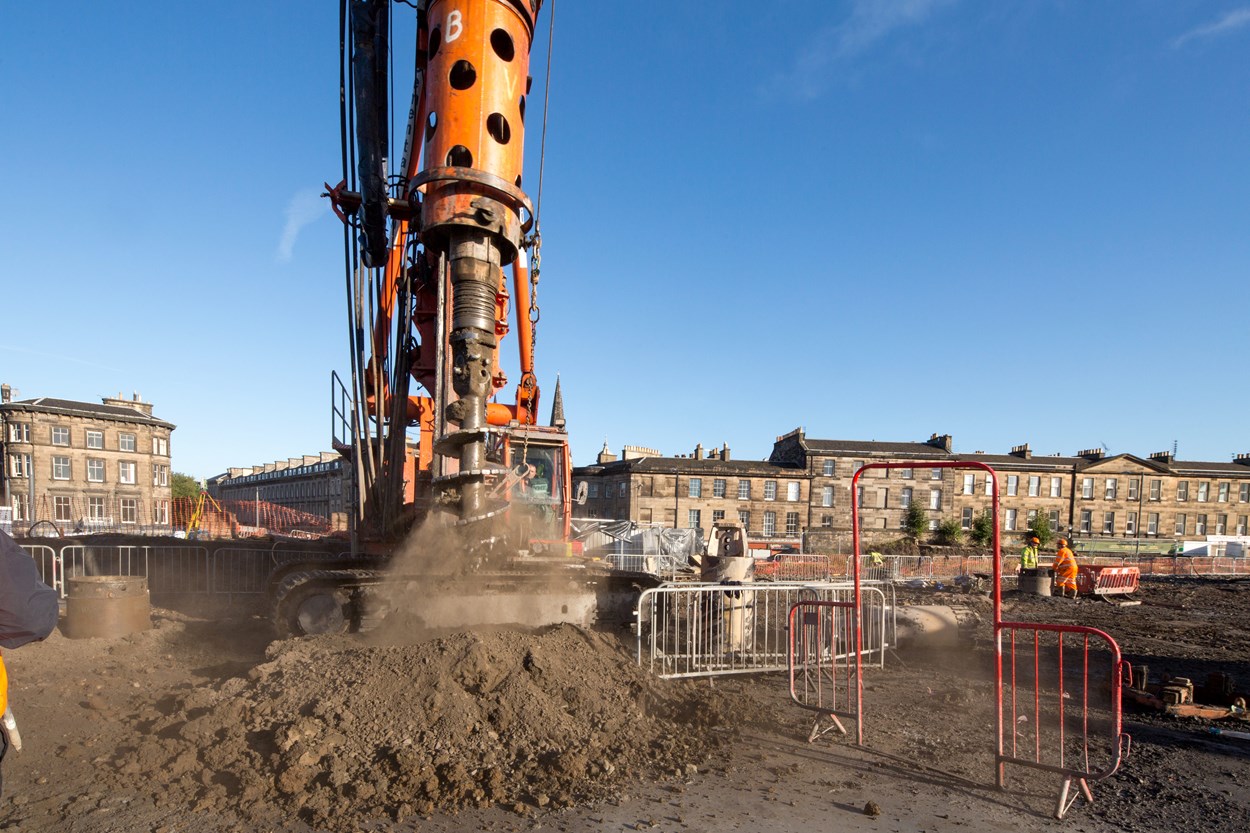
x: 1021, y: 451
x: 724, y: 451
x: 942, y: 441
x: 6, y: 394
x: 1091, y: 453
x: 1242, y: 459
x: 698, y: 451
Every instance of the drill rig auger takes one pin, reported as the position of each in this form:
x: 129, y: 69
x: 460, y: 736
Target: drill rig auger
x: 428, y: 244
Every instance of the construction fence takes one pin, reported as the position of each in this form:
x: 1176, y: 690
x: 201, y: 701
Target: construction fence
x: 57, y: 516
x: 196, y: 570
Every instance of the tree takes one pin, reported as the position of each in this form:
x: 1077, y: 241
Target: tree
x: 915, y: 520
x: 983, y: 528
x: 184, y: 485
x: 950, y: 532
x: 1040, y: 526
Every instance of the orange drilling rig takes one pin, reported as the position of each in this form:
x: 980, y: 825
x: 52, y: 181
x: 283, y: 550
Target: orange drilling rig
x: 438, y: 253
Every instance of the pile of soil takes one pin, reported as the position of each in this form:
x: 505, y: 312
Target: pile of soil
x: 334, y: 731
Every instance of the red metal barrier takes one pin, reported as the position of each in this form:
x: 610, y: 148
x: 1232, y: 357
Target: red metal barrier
x: 1045, y: 721
x: 1096, y: 580
x: 824, y: 666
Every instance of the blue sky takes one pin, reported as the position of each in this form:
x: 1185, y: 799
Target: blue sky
x: 1010, y: 222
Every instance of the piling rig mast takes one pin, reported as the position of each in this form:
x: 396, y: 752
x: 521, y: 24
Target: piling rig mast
x: 427, y: 248
x: 428, y: 245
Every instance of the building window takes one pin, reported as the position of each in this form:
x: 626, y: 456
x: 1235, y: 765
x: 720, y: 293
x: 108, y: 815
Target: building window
x: 906, y: 498
x: 1056, y: 487
x: 827, y: 468
x: 129, y: 510
x: 19, y: 465
x: 970, y: 481
x: 718, y: 487
x: 592, y: 489
x: 1152, y: 523
x: 95, y: 439
x: 1156, y: 489
x: 718, y: 515
x: 1010, y: 523
x: 60, y: 468
x: 856, y: 465
x: 1221, y: 524
x: 1180, y: 524
x: 826, y: 496
x: 1087, y: 488
x: 770, y: 523
x: 1132, y: 487
x: 907, y: 474
x: 744, y: 519
x: 21, y: 507
x: 770, y: 490
x: 19, y: 432
x: 1054, y: 520
x: 965, y: 518
x: 1204, y: 491
x: 1200, y: 527
x: 95, y: 471
x: 1243, y: 493
x: 1013, y: 485
x: 126, y: 472
x: 1130, y: 526
x: 989, y: 485
x: 1111, y: 487
x: 160, y: 475
x: 693, y: 518
x: 1035, y: 486
x: 696, y: 487
x: 61, y: 509
x: 826, y: 521
x: 1241, y: 524
x: 622, y: 489
x: 744, y: 490
x: 60, y: 435
x: 95, y: 508
x: 1108, y: 523
x: 935, y: 498
x: 126, y: 442
x: 792, y: 491
x: 935, y: 474
x: 1223, y: 494
x: 160, y: 446
x: 1182, y: 490
x: 1087, y: 520
x: 1031, y: 518
x: 792, y: 523
x: 160, y: 512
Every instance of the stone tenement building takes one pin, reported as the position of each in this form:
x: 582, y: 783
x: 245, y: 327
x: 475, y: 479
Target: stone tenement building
x: 804, y: 489
x: 319, y: 484
x: 84, y: 467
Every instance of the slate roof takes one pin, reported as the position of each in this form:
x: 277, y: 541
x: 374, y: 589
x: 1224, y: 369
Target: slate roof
x: 46, y: 404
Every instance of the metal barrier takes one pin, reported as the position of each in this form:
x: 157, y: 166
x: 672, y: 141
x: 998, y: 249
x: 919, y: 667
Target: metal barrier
x: 101, y: 560
x: 236, y: 570
x: 1044, y: 711
x: 699, y: 630
x: 665, y: 567
x: 891, y: 567
x: 794, y: 567
x: 47, y: 563
x: 178, y: 569
x: 1097, y: 580
x: 824, y: 676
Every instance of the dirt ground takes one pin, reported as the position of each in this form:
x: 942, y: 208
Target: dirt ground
x: 209, y: 725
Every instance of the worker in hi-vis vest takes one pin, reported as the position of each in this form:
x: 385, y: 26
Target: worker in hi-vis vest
x: 28, y: 612
x: 1028, y: 556
x: 1065, y: 570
